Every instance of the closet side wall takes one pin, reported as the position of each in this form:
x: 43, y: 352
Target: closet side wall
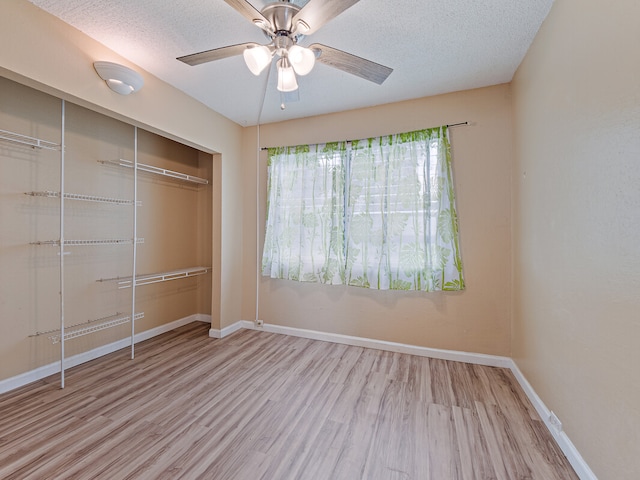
x: 172, y: 216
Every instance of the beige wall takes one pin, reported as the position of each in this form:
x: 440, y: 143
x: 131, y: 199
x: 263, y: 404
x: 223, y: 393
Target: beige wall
x: 476, y: 320
x: 576, y: 328
x: 40, y: 51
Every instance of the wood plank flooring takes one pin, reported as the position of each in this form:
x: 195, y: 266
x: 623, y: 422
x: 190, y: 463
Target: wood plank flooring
x: 257, y: 405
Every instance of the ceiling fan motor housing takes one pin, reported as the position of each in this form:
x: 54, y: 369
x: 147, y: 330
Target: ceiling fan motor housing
x: 280, y: 16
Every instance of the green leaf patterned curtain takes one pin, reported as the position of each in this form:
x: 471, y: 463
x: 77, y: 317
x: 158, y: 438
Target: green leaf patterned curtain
x: 304, y: 238
x: 376, y: 213
x: 402, y: 226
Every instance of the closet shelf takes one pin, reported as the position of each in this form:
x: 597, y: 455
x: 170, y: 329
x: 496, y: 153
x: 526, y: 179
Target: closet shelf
x: 125, y: 282
x: 110, y: 241
x: 28, y: 141
x: 86, y: 198
x: 91, y: 326
x: 158, y: 171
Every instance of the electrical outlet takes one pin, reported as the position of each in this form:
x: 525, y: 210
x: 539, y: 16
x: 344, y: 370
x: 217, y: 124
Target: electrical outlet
x: 259, y: 323
x: 555, y: 422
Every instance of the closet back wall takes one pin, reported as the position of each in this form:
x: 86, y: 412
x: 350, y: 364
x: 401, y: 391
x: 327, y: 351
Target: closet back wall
x: 174, y: 218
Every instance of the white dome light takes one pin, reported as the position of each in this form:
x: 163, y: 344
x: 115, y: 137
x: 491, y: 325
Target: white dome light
x: 119, y: 78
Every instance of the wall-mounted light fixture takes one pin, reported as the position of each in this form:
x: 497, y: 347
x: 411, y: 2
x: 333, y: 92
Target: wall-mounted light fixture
x: 119, y: 78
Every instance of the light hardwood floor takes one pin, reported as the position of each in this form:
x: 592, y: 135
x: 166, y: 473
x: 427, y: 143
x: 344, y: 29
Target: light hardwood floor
x: 257, y: 405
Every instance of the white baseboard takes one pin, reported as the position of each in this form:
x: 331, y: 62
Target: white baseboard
x: 53, y: 368
x: 201, y: 317
x: 562, y: 439
x: 467, y: 357
x: 226, y: 331
x: 12, y: 383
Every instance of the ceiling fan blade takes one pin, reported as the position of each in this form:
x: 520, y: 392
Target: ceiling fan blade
x: 215, y: 54
x: 374, y: 72
x: 318, y: 12
x: 248, y: 11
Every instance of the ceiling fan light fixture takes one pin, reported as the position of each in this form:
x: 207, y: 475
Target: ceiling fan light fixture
x: 302, y: 59
x: 257, y: 58
x: 286, y: 76
x: 285, y: 23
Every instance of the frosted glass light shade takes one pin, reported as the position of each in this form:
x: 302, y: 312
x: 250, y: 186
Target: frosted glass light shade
x: 286, y: 76
x: 257, y: 58
x: 302, y: 59
x: 119, y: 86
x: 119, y: 78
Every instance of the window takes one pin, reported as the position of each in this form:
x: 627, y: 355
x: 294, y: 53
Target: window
x: 375, y: 213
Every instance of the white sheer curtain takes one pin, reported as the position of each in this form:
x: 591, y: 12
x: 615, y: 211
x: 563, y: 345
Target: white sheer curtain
x: 304, y: 238
x: 402, y: 227
x: 376, y: 213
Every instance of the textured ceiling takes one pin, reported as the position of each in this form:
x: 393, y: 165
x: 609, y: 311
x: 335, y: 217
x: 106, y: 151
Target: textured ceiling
x: 433, y: 46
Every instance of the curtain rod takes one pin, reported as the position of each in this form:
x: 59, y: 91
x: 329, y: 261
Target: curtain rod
x: 450, y: 125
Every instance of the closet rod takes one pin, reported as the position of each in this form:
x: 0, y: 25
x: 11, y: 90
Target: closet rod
x: 79, y: 196
x: 85, y: 328
x: 158, y: 171
x: 28, y: 141
x: 450, y: 125
x: 146, y: 279
x: 106, y: 241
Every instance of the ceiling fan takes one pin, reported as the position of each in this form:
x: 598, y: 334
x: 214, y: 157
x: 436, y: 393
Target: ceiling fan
x: 285, y: 24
